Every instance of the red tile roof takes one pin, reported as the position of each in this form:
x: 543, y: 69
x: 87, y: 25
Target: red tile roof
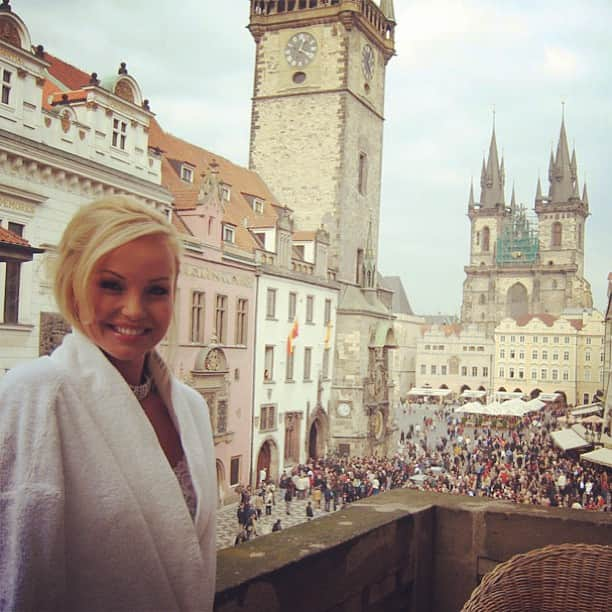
x: 69, y: 96
x: 8, y: 237
x: 68, y: 75
x: 547, y: 319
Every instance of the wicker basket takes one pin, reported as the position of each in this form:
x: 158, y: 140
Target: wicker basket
x: 559, y: 578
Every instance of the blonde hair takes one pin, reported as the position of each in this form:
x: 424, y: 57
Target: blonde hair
x: 95, y: 230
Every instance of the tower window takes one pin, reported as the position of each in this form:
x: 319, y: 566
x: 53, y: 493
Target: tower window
x: 486, y: 233
x: 557, y: 234
x: 362, y: 181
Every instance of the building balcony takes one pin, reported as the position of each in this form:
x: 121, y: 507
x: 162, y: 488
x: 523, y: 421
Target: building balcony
x: 404, y: 550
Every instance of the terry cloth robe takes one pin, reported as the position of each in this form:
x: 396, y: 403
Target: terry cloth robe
x: 92, y: 516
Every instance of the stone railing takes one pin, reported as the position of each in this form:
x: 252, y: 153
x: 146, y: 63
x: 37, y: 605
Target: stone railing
x: 404, y: 550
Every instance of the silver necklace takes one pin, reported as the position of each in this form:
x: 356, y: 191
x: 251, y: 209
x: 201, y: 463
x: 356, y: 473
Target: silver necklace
x: 142, y: 391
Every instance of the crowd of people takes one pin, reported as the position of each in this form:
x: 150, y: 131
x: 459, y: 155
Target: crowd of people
x: 444, y: 453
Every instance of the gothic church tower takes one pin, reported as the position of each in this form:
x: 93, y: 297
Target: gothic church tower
x: 520, y: 265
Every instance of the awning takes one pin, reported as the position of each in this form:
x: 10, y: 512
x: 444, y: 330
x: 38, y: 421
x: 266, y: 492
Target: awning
x: 587, y: 409
x: 568, y: 439
x: 549, y: 397
x: 506, y: 395
x: 473, y: 394
x: 602, y: 456
x: 429, y: 392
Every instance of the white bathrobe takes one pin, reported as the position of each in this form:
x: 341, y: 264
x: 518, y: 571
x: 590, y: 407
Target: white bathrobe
x: 92, y: 516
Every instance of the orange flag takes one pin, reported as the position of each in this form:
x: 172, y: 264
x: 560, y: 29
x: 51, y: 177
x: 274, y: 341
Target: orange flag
x: 293, y: 334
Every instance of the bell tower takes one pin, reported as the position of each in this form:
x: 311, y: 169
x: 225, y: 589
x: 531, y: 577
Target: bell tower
x: 317, y: 115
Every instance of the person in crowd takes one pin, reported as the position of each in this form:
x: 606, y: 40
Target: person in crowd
x: 309, y: 511
x: 277, y: 525
x: 107, y: 463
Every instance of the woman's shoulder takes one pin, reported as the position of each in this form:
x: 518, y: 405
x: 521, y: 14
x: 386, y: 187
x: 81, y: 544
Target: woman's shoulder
x: 39, y: 374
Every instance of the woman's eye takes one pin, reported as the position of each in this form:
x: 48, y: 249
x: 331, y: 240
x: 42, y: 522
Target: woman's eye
x: 110, y: 285
x: 157, y: 290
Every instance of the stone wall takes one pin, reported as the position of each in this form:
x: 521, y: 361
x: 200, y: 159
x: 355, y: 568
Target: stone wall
x: 403, y: 551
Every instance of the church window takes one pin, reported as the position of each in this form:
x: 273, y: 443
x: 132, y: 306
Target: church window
x: 362, y: 180
x: 6, y: 86
x: 486, y: 234
x: 119, y: 133
x: 557, y: 234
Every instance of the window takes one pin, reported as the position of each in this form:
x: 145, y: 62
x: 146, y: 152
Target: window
x: 502, y: 353
x: 221, y: 318
x: 119, y: 133
x: 292, y: 306
x: 513, y: 339
x: 544, y: 374
x: 187, y: 173
x: 555, y: 374
x: 566, y: 339
x: 428, y: 347
x: 588, y: 340
x: 11, y: 291
x: 325, y: 366
x: 242, y: 311
x: 556, y: 340
x: 258, y: 206
x: 269, y: 364
x: 221, y: 414
x: 229, y: 233
x: 434, y: 369
x: 512, y: 354
x: 423, y: 369
x: 565, y: 355
x: 486, y: 235
x: 587, y: 356
x: 534, y: 375
x: 6, y: 86
x: 443, y: 370
x: 534, y: 354
x: 522, y: 339
x: 555, y: 356
x: 307, y: 362
x: 197, y: 317
x: 362, y: 180
x: 502, y: 338
x: 474, y: 371
x: 271, y: 304
x: 485, y: 371
x: 557, y: 234
x: 545, y: 339
x: 309, y: 308
x: 327, y: 312
x: 521, y: 355
x: 544, y: 355
x: 510, y: 372
x: 235, y: 470
x: 502, y: 373
x: 521, y: 373
x: 267, y: 420
x: 535, y: 339
x: 587, y: 374
x: 289, y: 365
x: 565, y: 374
x: 225, y: 192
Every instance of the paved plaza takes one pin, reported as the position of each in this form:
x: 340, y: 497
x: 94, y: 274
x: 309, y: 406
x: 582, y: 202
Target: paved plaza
x: 227, y: 520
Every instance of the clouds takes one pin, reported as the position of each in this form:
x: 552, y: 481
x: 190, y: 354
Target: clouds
x: 456, y: 60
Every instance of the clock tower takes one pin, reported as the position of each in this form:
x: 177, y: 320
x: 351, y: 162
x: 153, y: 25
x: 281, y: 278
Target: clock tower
x: 317, y: 118
x: 316, y: 140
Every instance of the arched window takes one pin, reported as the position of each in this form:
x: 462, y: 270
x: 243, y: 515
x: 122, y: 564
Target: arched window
x: 557, y: 234
x: 517, y: 301
x: 486, y: 234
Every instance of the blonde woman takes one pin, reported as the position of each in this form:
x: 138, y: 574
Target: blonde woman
x: 107, y: 475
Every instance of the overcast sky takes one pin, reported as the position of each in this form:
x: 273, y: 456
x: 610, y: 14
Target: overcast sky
x: 456, y: 61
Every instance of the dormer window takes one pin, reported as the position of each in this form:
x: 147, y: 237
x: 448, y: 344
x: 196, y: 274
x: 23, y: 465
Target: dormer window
x: 258, y: 206
x: 119, y: 133
x: 225, y: 193
x: 187, y: 173
x: 6, y: 86
x: 229, y: 233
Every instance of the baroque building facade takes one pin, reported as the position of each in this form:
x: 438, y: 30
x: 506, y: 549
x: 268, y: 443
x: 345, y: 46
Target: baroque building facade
x: 316, y: 139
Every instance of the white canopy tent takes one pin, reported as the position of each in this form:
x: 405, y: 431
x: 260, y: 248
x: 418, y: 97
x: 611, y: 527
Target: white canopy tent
x: 568, y: 439
x: 507, y: 395
x: 429, y: 392
x: 601, y: 456
x: 473, y: 394
x: 586, y: 410
x: 549, y: 397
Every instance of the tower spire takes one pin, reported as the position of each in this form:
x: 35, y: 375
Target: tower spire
x: 562, y: 173
x: 539, y: 191
x: 492, y: 179
x: 471, y: 199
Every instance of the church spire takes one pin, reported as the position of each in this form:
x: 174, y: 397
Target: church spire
x: 471, y: 200
x: 513, y: 200
x: 585, y: 196
x: 492, y: 180
x: 562, y: 174
x: 386, y: 6
x: 539, y: 191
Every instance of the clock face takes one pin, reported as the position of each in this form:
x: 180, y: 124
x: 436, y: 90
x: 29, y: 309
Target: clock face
x: 344, y: 410
x: 301, y: 49
x: 212, y: 360
x: 367, y: 61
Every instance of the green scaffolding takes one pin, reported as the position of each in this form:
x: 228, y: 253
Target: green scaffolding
x: 519, y: 242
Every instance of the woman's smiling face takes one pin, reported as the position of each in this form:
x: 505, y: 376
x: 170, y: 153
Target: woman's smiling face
x: 132, y: 298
